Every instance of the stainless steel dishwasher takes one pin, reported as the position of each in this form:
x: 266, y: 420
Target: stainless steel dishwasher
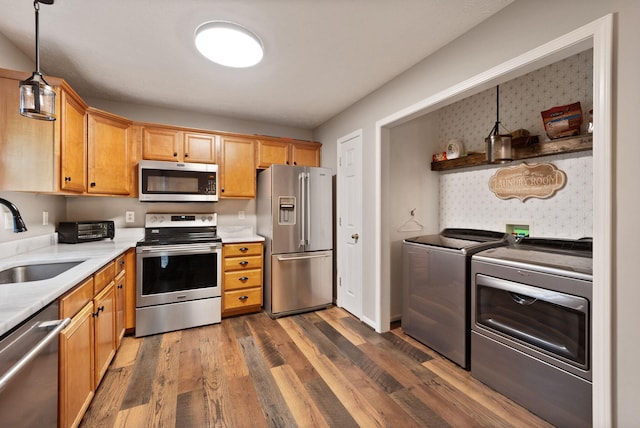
x: 29, y: 371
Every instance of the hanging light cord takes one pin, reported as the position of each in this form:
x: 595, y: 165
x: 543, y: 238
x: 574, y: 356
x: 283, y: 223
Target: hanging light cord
x: 36, y: 6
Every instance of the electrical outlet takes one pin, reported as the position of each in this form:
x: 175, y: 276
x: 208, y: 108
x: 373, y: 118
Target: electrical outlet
x: 8, y: 221
x: 130, y: 217
x: 45, y: 218
x: 240, y: 215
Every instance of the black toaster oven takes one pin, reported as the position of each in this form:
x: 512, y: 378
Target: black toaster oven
x: 85, y: 231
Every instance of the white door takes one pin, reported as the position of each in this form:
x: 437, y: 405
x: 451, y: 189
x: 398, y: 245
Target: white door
x: 349, y: 219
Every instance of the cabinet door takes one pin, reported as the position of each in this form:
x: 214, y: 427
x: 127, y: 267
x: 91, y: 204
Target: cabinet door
x: 76, y: 368
x: 108, y: 155
x: 73, y: 144
x: 130, y: 290
x: 26, y: 145
x: 306, y: 154
x: 272, y: 152
x: 201, y: 148
x: 163, y: 144
x: 120, y: 306
x: 104, y: 308
x: 238, y: 177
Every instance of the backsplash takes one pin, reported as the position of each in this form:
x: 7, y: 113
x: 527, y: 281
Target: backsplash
x: 465, y: 198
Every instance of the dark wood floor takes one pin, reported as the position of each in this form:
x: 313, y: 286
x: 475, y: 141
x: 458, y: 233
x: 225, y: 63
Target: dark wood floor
x: 320, y: 369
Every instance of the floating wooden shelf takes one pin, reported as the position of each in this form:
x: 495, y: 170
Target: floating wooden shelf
x: 554, y: 147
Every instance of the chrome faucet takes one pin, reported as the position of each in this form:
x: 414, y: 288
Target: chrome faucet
x: 18, y: 223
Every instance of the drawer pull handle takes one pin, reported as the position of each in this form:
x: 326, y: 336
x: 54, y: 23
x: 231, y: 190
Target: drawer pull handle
x: 243, y: 298
x: 244, y: 249
x: 243, y: 278
x: 244, y: 263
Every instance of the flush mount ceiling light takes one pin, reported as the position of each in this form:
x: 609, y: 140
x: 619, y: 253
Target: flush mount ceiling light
x: 228, y: 44
x: 37, y: 98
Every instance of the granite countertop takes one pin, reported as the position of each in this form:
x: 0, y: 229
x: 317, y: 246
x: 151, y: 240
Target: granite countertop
x: 18, y: 301
x: 236, y: 234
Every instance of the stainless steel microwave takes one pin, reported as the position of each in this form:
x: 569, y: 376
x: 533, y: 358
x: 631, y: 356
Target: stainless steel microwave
x: 161, y: 181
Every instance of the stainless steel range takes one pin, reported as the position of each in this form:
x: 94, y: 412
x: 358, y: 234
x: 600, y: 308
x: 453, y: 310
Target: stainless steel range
x: 531, y: 326
x: 178, y: 273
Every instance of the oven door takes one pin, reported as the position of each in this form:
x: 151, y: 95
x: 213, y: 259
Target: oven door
x: 177, y: 273
x: 553, y: 324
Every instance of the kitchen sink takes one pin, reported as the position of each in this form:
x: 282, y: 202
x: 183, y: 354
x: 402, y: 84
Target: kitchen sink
x: 35, y: 272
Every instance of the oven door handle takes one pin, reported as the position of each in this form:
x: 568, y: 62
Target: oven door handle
x: 179, y: 248
x: 522, y: 300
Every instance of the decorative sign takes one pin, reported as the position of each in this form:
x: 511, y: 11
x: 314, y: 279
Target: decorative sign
x: 524, y: 181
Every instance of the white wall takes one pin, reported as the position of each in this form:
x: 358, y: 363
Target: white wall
x: 518, y: 28
x: 30, y: 206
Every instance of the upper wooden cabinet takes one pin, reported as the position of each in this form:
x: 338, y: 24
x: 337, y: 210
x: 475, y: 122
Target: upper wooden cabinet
x: 26, y: 145
x: 108, y: 154
x: 301, y: 153
x: 71, y: 128
x: 178, y: 145
x: 237, y: 167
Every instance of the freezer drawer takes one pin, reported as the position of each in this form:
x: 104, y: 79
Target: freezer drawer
x: 300, y: 282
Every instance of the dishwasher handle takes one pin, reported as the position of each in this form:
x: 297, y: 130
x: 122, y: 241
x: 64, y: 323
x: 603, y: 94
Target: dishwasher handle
x: 33, y: 352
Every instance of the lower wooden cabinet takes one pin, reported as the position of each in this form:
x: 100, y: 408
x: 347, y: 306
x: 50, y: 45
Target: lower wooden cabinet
x: 77, y: 375
x: 242, y: 278
x: 130, y: 291
x: 89, y: 343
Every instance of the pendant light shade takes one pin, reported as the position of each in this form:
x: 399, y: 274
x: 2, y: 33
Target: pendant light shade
x: 37, y: 97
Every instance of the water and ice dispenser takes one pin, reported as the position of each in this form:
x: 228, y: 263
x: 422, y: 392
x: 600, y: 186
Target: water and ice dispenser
x: 286, y: 210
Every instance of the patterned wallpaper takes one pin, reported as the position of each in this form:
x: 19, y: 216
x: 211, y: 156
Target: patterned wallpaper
x: 465, y: 198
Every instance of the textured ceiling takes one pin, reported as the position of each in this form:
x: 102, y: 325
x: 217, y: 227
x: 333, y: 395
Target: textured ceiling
x: 321, y: 56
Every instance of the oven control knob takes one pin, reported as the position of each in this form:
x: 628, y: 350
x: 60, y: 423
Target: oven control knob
x: 210, y: 218
x: 154, y: 219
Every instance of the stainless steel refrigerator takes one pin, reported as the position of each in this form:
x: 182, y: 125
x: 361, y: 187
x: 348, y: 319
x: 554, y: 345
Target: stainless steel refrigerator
x: 294, y: 214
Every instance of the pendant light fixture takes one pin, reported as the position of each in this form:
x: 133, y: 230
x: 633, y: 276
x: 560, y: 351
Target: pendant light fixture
x: 228, y: 44
x: 37, y: 98
x: 498, y: 145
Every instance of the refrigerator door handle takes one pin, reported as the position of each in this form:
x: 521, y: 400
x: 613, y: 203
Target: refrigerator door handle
x: 302, y: 208
x: 307, y: 210
x: 316, y: 256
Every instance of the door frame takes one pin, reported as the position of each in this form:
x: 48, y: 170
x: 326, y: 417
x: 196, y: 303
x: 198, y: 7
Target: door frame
x: 340, y: 262
x: 599, y: 36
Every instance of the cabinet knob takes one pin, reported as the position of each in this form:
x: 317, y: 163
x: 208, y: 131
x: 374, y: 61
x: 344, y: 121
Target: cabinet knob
x: 295, y: 163
x: 244, y: 249
x: 244, y: 263
x: 67, y: 179
x: 97, y: 312
x: 222, y: 190
x: 243, y: 298
x: 120, y: 286
x: 243, y: 278
x: 93, y: 184
x: 186, y: 155
x: 287, y: 162
x: 175, y: 154
x: 121, y: 262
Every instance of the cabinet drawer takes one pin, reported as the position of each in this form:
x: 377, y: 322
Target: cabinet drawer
x: 242, y: 298
x: 246, y: 249
x: 236, y: 263
x: 103, y: 277
x: 242, y: 279
x: 73, y: 301
x: 120, y: 264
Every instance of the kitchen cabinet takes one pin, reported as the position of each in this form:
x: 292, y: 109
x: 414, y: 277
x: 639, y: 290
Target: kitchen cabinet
x: 89, y: 342
x: 178, y: 145
x: 237, y: 167
x: 242, y: 278
x: 108, y: 153
x: 76, y: 377
x: 120, y: 284
x: 287, y: 152
x: 26, y: 145
x: 130, y: 290
x: 71, y: 129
